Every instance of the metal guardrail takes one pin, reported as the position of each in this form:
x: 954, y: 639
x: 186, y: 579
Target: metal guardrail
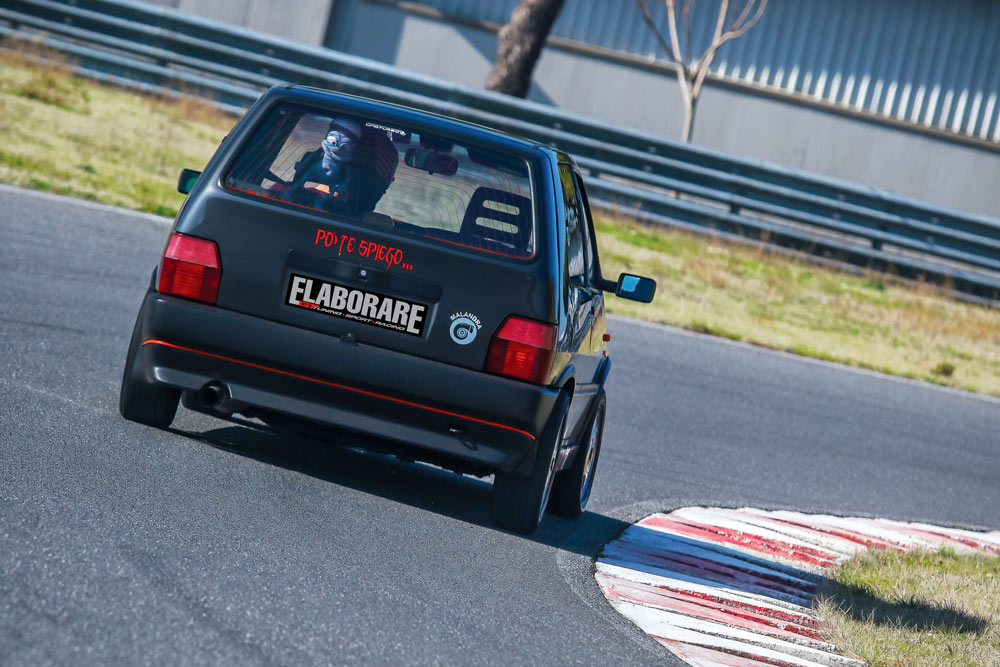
x: 630, y: 173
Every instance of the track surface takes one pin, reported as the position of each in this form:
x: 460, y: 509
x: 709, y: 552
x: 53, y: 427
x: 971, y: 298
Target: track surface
x: 214, y: 543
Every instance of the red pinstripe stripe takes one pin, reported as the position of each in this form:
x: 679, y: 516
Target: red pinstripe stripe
x: 339, y: 386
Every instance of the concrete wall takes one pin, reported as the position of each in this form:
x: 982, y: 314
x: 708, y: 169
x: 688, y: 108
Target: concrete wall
x: 851, y: 148
x: 741, y: 122
x: 302, y: 21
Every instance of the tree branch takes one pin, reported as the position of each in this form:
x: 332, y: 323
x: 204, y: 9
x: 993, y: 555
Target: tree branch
x: 691, y: 75
x: 647, y: 15
x: 672, y: 24
x: 686, y: 15
x: 735, y: 29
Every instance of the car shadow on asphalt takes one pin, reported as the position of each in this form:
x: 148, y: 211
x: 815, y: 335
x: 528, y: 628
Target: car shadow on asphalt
x: 419, y: 485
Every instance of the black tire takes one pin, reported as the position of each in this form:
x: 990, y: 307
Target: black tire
x: 572, y: 487
x: 518, y: 503
x: 150, y: 404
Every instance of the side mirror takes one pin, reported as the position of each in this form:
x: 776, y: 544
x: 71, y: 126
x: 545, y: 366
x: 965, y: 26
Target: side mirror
x: 431, y: 161
x: 187, y: 180
x: 635, y: 288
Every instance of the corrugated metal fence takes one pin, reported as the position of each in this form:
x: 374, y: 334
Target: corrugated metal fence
x: 925, y: 62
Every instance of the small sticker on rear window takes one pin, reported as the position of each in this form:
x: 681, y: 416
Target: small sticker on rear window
x: 355, y: 304
x: 394, y: 130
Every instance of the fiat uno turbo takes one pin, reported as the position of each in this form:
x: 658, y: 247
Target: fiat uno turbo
x: 391, y: 279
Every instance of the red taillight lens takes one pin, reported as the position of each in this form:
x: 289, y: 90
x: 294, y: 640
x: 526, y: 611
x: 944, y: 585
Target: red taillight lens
x: 523, y: 349
x: 190, y: 268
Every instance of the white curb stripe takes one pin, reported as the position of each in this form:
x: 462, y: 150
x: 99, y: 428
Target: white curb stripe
x: 738, y: 588
x: 662, y: 537
x: 668, y: 625
x: 713, y: 592
x: 729, y: 519
x: 658, y: 546
x: 741, y: 537
x: 839, y: 545
x: 782, y: 626
x: 735, y: 587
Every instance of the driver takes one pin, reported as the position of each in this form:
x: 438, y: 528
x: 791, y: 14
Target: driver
x: 336, y: 168
x: 355, y: 163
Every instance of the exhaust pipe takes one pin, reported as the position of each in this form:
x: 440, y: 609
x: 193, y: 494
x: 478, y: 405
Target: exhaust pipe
x: 215, y: 395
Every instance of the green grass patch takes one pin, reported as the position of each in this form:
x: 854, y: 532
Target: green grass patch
x: 67, y: 135
x: 70, y: 136
x: 917, y: 608
x: 749, y: 294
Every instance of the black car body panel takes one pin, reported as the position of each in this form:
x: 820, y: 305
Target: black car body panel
x: 420, y: 388
x: 352, y: 385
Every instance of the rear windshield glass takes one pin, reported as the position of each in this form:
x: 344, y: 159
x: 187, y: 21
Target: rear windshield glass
x: 390, y: 176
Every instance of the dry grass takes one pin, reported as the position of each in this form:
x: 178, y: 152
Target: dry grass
x: 66, y: 135
x: 70, y: 136
x: 920, y: 608
x: 748, y: 294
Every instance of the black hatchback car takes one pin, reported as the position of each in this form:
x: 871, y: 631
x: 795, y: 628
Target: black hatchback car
x: 392, y: 279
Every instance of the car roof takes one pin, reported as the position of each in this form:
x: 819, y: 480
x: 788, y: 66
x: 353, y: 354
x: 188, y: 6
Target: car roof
x: 409, y: 115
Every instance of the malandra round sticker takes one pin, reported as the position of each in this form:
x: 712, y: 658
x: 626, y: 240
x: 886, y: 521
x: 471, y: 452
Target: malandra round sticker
x: 355, y: 304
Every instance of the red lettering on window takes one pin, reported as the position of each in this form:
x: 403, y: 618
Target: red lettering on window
x: 345, y: 244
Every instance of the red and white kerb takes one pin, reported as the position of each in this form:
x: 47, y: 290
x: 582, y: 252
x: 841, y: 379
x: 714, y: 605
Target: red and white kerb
x: 733, y: 587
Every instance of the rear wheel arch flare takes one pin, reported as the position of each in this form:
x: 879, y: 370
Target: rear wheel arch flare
x: 566, y: 381
x: 569, y: 386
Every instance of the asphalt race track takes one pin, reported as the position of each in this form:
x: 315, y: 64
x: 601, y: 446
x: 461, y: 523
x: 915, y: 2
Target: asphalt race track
x: 214, y: 543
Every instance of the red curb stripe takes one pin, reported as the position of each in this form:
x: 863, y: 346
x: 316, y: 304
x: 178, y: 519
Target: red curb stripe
x: 858, y: 538
x: 934, y: 536
x: 781, y: 615
x: 728, y: 615
x: 840, y: 545
x: 711, y: 603
x: 705, y: 568
x: 721, y: 562
x: 746, y: 540
x: 663, y: 541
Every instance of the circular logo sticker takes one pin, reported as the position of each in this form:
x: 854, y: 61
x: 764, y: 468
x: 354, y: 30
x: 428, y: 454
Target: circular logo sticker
x: 463, y: 330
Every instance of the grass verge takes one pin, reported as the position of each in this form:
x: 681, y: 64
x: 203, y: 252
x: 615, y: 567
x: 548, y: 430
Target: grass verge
x: 916, y: 608
x: 749, y: 294
x: 70, y: 136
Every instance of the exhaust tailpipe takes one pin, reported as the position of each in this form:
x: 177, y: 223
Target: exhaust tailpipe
x: 215, y: 395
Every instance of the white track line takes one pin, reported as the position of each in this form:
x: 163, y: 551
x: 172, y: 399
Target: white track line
x: 734, y: 587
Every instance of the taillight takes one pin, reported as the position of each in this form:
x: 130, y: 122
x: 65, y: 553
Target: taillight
x: 523, y: 349
x: 190, y: 268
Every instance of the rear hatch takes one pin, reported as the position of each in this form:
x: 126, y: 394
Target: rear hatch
x: 446, y: 254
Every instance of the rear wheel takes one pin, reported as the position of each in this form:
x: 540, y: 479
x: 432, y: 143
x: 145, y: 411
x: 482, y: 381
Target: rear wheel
x: 150, y: 404
x: 518, y: 503
x: 571, y: 490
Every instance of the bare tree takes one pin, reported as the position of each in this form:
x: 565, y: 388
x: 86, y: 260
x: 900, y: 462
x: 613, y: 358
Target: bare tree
x: 691, y: 73
x: 519, y: 44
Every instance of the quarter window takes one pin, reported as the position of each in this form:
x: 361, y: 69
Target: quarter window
x: 578, y: 253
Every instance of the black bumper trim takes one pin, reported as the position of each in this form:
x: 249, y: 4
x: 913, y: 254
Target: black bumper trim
x: 336, y: 385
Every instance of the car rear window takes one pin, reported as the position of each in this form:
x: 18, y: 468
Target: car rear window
x: 388, y: 175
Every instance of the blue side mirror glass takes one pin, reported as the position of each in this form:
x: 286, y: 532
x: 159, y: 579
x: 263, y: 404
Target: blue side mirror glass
x: 635, y: 288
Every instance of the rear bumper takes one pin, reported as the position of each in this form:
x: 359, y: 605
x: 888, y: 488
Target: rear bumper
x: 453, y: 411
